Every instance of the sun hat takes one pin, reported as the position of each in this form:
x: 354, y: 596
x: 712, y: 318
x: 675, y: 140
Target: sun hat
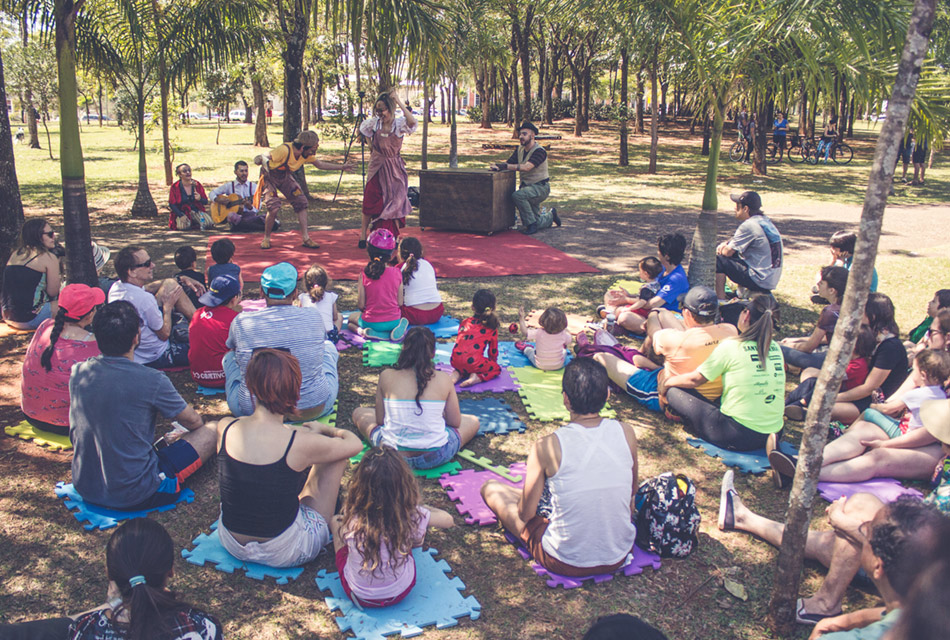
x: 78, y: 299
x: 279, y: 281
x: 382, y: 239
x: 936, y: 418
x: 100, y: 255
x: 307, y: 138
x: 222, y: 288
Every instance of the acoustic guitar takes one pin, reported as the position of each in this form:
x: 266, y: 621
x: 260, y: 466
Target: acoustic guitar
x: 220, y: 212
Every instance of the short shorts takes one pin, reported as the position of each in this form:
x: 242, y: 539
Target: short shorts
x: 296, y: 545
x: 176, y: 463
x: 531, y: 537
x: 381, y: 327
x: 643, y: 387
x: 889, y: 425
x: 420, y: 317
x: 427, y: 459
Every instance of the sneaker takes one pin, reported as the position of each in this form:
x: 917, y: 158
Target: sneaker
x: 795, y: 412
x: 531, y: 229
x: 783, y: 468
x: 556, y: 217
x: 803, y: 617
x: 399, y: 331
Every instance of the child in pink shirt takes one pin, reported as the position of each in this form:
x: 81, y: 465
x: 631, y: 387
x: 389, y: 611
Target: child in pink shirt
x: 380, y: 293
x: 382, y: 521
x: 550, y: 340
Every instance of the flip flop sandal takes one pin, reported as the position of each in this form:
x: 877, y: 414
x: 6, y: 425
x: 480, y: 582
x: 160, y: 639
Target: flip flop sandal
x: 803, y: 617
x: 783, y: 467
x: 727, y: 515
x: 265, y: 243
x: 310, y: 244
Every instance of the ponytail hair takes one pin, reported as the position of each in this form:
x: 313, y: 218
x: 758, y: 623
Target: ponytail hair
x: 410, y: 250
x: 47, y: 358
x: 418, y: 352
x: 761, y: 308
x: 316, y: 282
x: 377, y: 262
x: 139, y: 557
x: 483, y: 304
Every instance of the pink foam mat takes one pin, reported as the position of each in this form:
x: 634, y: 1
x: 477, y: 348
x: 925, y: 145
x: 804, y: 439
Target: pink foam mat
x: 637, y: 561
x: 886, y: 489
x: 465, y: 489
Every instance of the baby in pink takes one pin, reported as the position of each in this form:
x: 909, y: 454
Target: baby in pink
x: 550, y: 341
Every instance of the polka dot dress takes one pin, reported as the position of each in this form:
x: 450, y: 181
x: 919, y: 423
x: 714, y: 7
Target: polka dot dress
x: 468, y: 356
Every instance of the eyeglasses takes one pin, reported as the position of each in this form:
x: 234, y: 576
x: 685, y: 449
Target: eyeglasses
x: 935, y: 332
x: 147, y: 263
x: 50, y: 233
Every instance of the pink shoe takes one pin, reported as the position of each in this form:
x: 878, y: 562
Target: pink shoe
x: 521, y: 345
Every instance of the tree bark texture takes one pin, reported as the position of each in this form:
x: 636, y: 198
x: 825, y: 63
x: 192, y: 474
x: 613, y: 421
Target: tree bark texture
x: 654, y: 108
x: 639, y: 124
x: 11, y: 208
x: 260, y: 105
x: 791, y: 553
x: 763, y: 122
x: 702, y: 254
x: 425, y: 124
x: 624, y: 119
x: 144, y: 205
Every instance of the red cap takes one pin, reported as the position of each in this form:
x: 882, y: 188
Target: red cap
x: 78, y: 299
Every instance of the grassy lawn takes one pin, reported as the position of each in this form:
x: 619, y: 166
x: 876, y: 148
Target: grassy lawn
x: 50, y: 565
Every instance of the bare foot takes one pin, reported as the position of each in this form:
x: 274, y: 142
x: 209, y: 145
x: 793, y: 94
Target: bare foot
x: 456, y: 376
x: 471, y: 380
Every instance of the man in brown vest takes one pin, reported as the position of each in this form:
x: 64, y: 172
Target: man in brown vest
x: 531, y: 160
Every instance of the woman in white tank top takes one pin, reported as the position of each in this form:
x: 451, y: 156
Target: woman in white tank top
x: 417, y: 410
x: 590, y: 468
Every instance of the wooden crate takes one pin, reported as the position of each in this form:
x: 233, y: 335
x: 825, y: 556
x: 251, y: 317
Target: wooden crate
x: 474, y: 200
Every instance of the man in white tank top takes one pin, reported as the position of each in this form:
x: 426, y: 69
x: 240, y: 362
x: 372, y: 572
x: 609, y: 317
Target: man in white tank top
x: 590, y: 468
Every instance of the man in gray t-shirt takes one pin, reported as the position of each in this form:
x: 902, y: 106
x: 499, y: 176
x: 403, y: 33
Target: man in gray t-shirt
x: 752, y: 258
x: 114, y: 403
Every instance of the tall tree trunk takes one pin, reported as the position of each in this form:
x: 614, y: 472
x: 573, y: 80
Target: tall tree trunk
x: 763, y: 121
x: 702, y: 254
x: 654, y: 108
x: 624, y: 116
x: 304, y: 100
x: 442, y: 103
x: 585, y: 122
x: 11, y: 208
x: 803, y: 113
x: 293, y: 52
x: 792, y: 552
x: 79, y: 262
x: 99, y: 95
x: 425, y: 124
x: 639, y: 123
x: 481, y: 75
x: 524, y: 50
x: 516, y: 100
x: 144, y: 204
x: 707, y: 133
x: 260, y: 106
x: 163, y: 92
x: 664, y: 87
x: 320, y: 82
x: 578, y: 90
x: 549, y: 86
x: 453, y: 131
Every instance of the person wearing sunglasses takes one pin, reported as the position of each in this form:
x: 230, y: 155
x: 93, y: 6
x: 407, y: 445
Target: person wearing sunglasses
x: 162, y: 305
x: 31, y: 279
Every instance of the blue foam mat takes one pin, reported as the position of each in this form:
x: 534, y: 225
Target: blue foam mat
x: 494, y: 416
x: 508, y: 356
x: 209, y: 391
x: 208, y: 549
x: 97, y: 517
x: 446, y: 327
x: 746, y: 461
x: 435, y: 600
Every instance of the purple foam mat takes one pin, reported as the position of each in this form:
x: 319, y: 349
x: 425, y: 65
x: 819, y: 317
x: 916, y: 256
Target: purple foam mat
x: 636, y: 562
x: 886, y: 489
x: 504, y: 382
x: 349, y: 339
x: 465, y: 489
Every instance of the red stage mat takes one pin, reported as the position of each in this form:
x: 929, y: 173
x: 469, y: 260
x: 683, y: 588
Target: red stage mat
x: 454, y: 255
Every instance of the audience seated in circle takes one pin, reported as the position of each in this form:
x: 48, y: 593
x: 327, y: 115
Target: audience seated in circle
x: 753, y: 385
x: 282, y: 325
x: 31, y: 278
x: 114, y: 463
x: 163, y: 344
x: 186, y: 259
x: 279, y: 483
x: 209, y: 330
x: 801, y: 352
x: 56, y: 346
x: 140, y: 558
x: 383, y: 519
x: 417, y: 410
x: 584, y: 475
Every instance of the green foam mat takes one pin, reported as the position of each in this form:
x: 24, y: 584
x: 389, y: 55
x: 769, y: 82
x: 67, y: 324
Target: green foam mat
x: 451, y: 467
x: 26, y: 431
x: 381, y: 354
x: 541, y: 393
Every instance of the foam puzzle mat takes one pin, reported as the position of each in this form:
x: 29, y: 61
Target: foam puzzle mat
x: 26, y: 431
x: 753, y: 462
x: 494, y: 415
x: 209, y: 391
x: 465, y: 490
x: 637, y: 560
x: 435, y: 600
x: 385, y: 354
x: 508, y: 356
x: 504, y: 382
x: 208, y: 549
x: 97, y: 517
x: 886, y: 489
x: 541, y: 393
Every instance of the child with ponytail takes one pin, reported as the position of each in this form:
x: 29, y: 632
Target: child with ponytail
x: 317, y: 282
x: 57, y: 345
x: 417, y: 410
x: 380, y: 292
x: 475, y: 334
x: 423, y: 302
x: 382, y: 521
x: 139, y: 561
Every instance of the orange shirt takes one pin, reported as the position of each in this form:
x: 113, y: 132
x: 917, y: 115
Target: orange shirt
x: 684, y: 351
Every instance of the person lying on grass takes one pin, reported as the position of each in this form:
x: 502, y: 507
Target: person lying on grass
x: 584, y: 475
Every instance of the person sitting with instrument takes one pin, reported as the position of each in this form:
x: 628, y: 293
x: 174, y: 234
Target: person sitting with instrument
x: 237, y: 202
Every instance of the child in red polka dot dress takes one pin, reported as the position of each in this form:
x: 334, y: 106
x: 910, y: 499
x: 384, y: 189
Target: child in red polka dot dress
x: 475, y: 334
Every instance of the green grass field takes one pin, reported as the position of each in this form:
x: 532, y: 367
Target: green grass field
x: 50, y: 566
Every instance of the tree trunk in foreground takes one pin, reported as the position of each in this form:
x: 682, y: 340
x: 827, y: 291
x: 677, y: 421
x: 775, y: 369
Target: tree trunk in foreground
x: 11, y: 209
x: 260, y: 105
x: 144, y: 205
x: 702, y: 255
x: 654, y: 107
x: 425, y: 123
x: 624, y: 119
x: 792, y: 551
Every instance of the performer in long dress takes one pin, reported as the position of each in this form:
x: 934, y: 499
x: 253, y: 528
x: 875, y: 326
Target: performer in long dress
x: 385, y: 198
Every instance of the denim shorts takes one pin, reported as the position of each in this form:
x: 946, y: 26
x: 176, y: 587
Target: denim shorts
x: 427, y: 459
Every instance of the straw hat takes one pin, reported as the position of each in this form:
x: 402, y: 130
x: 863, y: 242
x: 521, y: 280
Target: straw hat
x: 936, y: 418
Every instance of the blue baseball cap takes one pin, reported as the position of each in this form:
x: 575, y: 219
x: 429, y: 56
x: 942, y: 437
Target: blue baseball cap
x: 279, y: 281
x: 222, y: 289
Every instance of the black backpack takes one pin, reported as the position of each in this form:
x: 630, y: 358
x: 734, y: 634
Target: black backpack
x: 667, y: 518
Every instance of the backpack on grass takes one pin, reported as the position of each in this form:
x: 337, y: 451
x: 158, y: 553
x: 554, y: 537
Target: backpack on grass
x: 667, y: 518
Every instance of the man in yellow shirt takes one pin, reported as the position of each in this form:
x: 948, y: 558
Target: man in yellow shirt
x: 278, y: 167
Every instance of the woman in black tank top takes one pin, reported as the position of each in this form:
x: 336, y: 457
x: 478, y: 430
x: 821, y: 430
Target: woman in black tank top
x: 274, y: 477
x: 31, y: 278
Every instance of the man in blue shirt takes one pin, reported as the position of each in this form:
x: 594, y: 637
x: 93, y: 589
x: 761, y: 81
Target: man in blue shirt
x: 673, y: 284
